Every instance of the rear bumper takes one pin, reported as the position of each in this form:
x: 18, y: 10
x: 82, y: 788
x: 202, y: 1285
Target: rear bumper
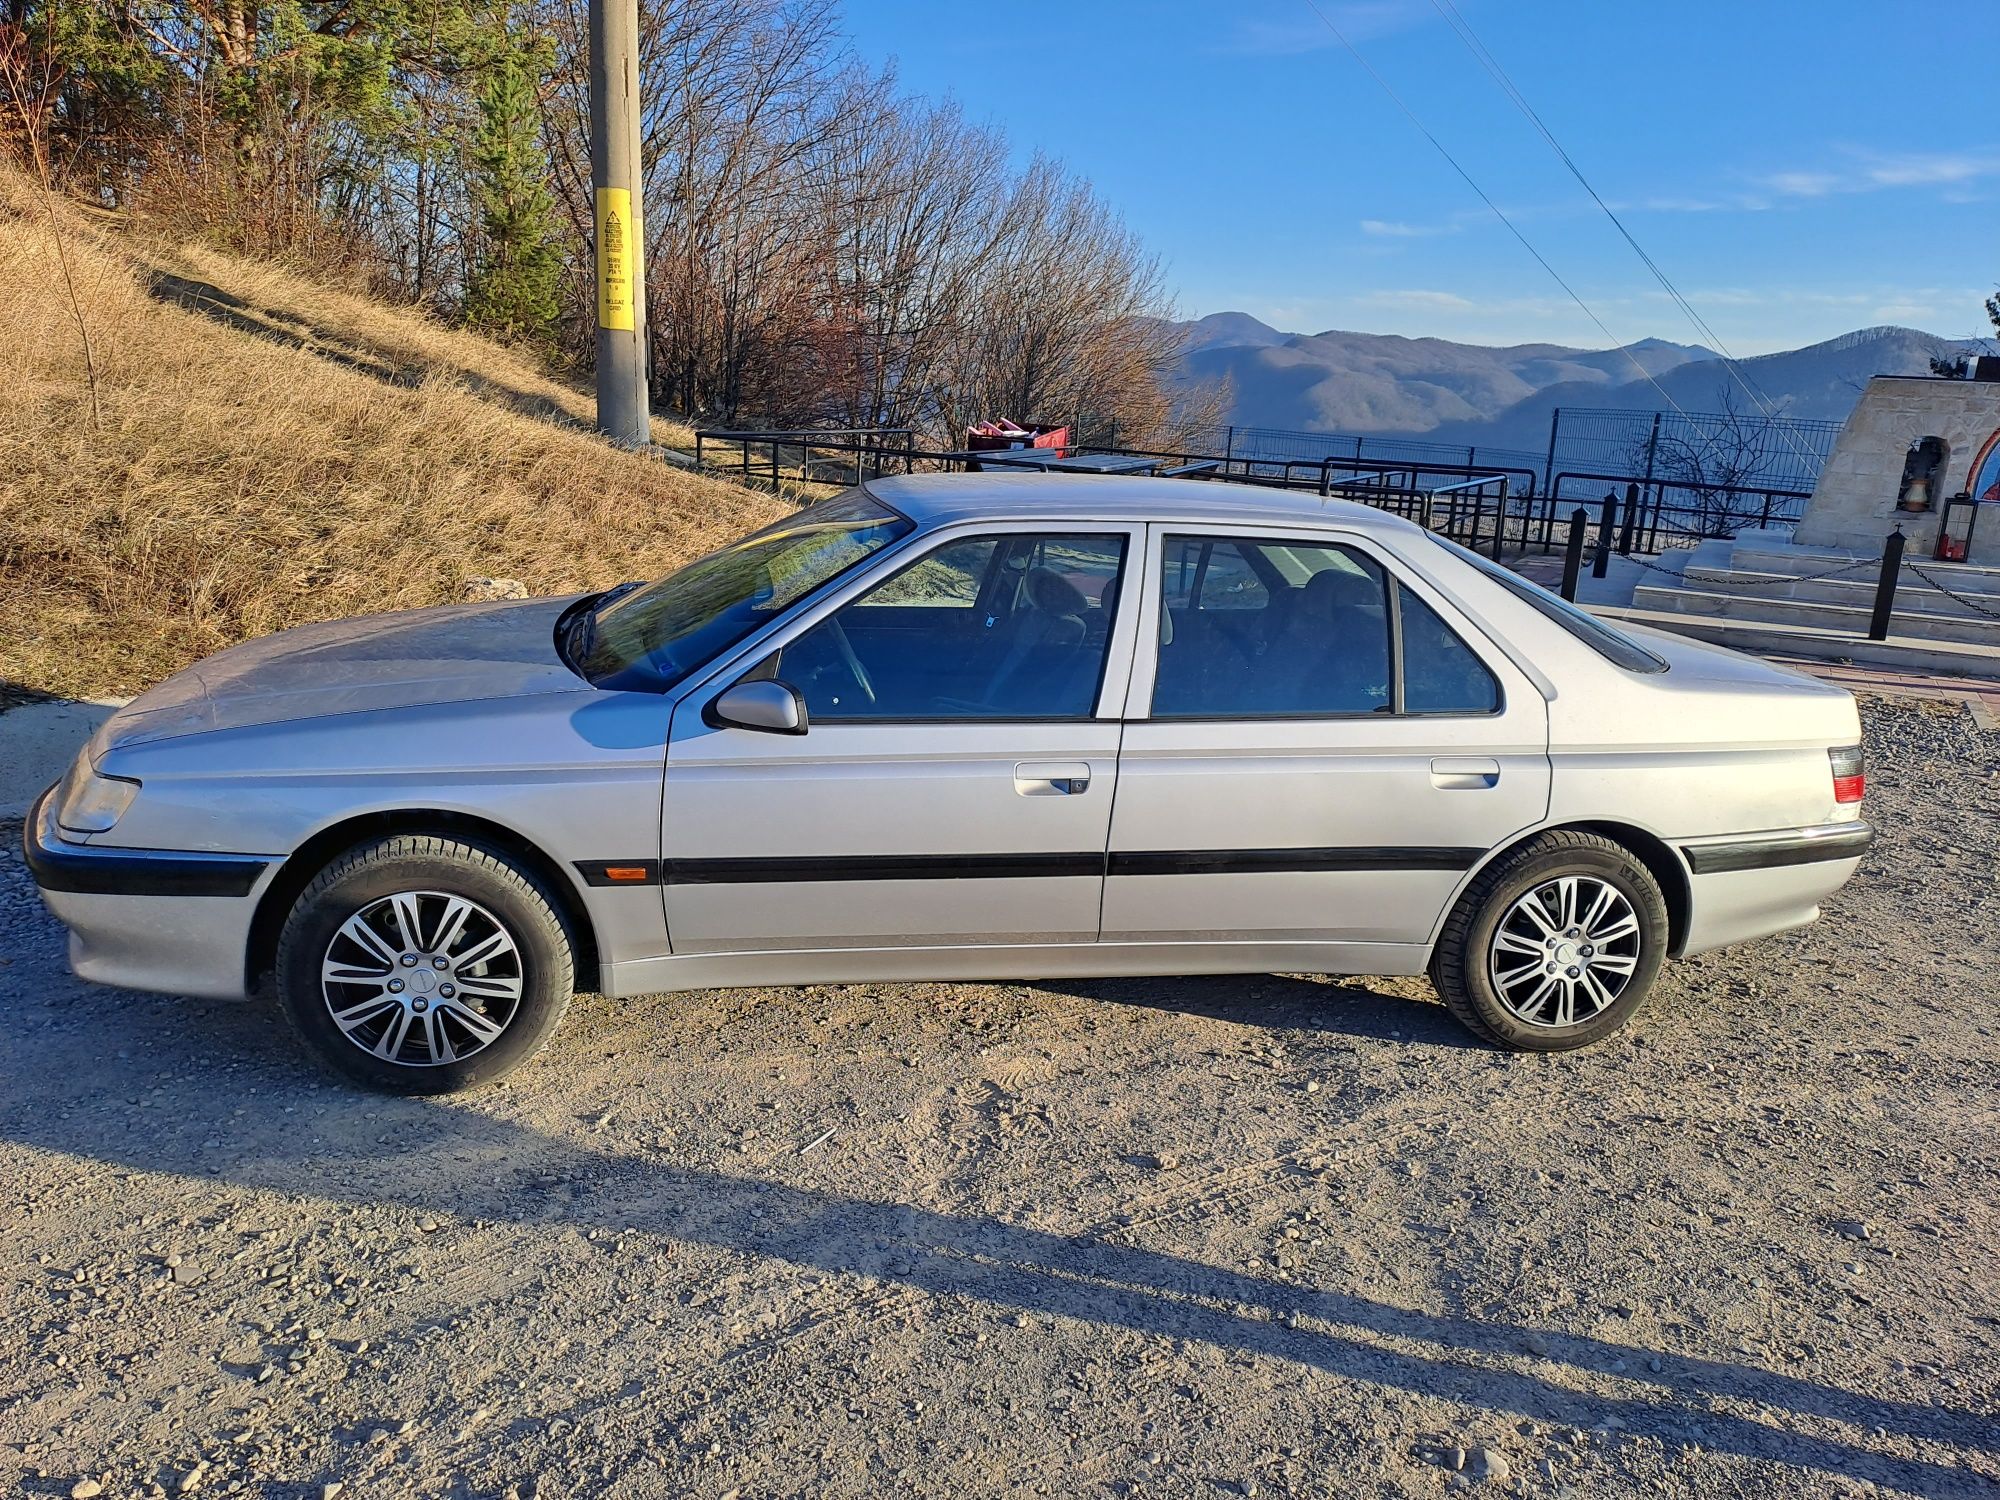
x: 1748, y: 886
x: 144, y: 918
x: 1778, y: 847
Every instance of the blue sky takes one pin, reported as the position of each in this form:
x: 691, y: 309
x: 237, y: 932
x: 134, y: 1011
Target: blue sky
x: 1799, y: 168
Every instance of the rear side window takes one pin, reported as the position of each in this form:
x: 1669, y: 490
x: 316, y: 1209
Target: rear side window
x: 1613, y: 645
x: 1259, y: 629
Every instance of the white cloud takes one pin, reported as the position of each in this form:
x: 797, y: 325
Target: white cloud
x: 1416, y: 298
x: 1802, y: 184
x: 1396, y: 229
x: 1873, y: 171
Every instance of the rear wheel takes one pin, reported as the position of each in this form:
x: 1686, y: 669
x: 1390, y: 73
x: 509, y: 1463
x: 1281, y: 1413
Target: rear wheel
x: 1555, y: 946
x: 422, y: 965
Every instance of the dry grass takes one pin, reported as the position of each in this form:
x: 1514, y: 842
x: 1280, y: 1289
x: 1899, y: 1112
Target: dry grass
x: 271, y: 451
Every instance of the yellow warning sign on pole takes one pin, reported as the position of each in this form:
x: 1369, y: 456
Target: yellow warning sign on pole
x: 614, y: 258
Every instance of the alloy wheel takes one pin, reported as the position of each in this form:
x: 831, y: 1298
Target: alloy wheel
x: 421, y: 978
x: 1565, y: 951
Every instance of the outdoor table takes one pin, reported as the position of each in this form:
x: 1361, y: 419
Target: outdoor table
x: 1104, y: 463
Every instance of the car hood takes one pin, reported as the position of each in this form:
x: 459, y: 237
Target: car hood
x: 452, y: 654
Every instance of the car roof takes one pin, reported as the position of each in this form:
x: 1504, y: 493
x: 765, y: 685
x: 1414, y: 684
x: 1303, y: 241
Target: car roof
x: 937, y: 499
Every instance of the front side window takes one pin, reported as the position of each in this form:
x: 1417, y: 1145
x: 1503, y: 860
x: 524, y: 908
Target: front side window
x: 1310, y: 638
x: 653, y: 637
x: 1015, y: 626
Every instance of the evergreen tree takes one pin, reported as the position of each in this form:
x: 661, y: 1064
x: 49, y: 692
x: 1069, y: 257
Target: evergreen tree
x: 513, y: 289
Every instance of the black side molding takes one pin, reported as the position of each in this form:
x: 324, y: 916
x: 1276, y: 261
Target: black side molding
x: 1791, y: 846
x: 1287, y: 861
x: 771, y: 869
x: 881, y: 867
x: 93, y: 870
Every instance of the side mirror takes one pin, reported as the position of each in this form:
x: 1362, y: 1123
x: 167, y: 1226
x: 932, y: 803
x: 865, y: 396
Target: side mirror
x: 765, y: 705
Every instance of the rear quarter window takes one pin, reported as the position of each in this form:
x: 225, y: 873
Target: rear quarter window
x: 1613, y: 645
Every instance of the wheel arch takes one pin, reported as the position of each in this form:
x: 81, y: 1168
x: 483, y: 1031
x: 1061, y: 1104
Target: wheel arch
x: 1652, y: 851
x: 329, y: 843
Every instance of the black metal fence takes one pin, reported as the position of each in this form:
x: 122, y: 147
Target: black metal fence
x: 1472, y: 506
x: 833, y: 455
x: 1237, y: 443
x: 1727, y: 447
x: 1665, y: 513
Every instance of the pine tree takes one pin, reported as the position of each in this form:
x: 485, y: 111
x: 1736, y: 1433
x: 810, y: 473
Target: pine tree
x: 513, y: 287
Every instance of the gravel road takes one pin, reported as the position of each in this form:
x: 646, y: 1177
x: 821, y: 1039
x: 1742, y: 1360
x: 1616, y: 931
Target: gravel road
x: 1249, y: 1236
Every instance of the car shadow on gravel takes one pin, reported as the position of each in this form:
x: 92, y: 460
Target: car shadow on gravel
x: 200, y: 1124
x: 1283, y: 1002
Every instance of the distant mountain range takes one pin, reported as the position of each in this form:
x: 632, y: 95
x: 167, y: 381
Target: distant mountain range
x: 1384, y: 385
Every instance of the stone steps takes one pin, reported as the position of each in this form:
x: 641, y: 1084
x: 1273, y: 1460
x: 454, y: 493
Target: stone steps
x: 1856, y: 590
x: 1850, y: 618
x: 1770, y: 638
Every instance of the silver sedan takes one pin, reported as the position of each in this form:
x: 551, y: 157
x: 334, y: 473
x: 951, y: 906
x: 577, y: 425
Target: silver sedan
x: 954, y: 727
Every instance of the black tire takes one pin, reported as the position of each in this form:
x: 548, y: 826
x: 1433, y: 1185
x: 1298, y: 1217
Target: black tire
x: 1460, y: 963
x: 508, y: 898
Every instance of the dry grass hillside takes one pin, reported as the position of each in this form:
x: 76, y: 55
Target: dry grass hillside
x: 263, y: 450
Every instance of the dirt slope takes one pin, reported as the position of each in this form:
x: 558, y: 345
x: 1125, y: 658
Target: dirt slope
x: 264, y: 450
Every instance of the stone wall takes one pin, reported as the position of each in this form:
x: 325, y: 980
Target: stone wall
x: 1854, y: 503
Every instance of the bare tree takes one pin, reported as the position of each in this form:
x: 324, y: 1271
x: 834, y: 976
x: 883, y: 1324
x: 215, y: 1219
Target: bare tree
x: 1068, y: 315
x: 1710, y: 456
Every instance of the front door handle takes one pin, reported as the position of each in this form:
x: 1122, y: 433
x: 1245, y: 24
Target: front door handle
x: 1052, y: 778
x: 1470, y: 774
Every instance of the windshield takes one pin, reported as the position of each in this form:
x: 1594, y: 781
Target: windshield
x: 1613, y: 645
x: 652, y: 637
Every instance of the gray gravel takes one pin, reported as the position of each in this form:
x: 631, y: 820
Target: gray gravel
x: 1252, y: 1236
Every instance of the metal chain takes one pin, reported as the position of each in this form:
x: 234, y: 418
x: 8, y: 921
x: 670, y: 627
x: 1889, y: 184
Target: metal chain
x: 1953, y: 594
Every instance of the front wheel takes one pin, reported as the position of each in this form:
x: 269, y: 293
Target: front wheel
x: 1555, y: 946
x: 423, y: 965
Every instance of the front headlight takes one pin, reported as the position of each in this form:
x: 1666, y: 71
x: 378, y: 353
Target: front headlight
x: 90, y: 803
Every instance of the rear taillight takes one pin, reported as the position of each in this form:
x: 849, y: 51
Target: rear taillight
x: 1849, y: 773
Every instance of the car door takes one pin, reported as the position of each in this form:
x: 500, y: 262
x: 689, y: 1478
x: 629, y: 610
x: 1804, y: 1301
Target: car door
x: 1318, y: 747
x: 953, y: 785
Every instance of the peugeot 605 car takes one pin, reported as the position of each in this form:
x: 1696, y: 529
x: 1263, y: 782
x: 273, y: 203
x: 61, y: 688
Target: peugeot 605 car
x: 954, y: 727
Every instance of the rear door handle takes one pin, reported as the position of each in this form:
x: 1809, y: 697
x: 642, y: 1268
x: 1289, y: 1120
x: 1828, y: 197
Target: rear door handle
x: 1056, y: 778
x: 1465, y: 775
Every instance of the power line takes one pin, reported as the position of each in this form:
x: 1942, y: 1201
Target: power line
x: 1463, y: 30
x: 1480, y: 192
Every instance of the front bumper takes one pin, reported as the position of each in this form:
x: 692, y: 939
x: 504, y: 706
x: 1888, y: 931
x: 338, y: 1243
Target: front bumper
x: 148, y: 919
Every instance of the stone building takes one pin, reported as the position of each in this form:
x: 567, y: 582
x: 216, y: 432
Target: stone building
x: 1912, y: 444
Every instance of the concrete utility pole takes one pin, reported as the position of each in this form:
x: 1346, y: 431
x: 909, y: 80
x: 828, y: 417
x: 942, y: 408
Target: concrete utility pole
x: 621, y: 242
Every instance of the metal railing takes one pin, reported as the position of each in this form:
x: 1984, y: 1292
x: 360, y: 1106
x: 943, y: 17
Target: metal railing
x: 1410, y: 473
x: 1471, y: 507
x: 1240, y: 441
x: 829, y: 455
x: 1651, y: 513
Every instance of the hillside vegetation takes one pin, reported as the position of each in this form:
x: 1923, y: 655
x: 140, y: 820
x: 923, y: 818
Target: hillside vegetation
x: 245, y: 449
